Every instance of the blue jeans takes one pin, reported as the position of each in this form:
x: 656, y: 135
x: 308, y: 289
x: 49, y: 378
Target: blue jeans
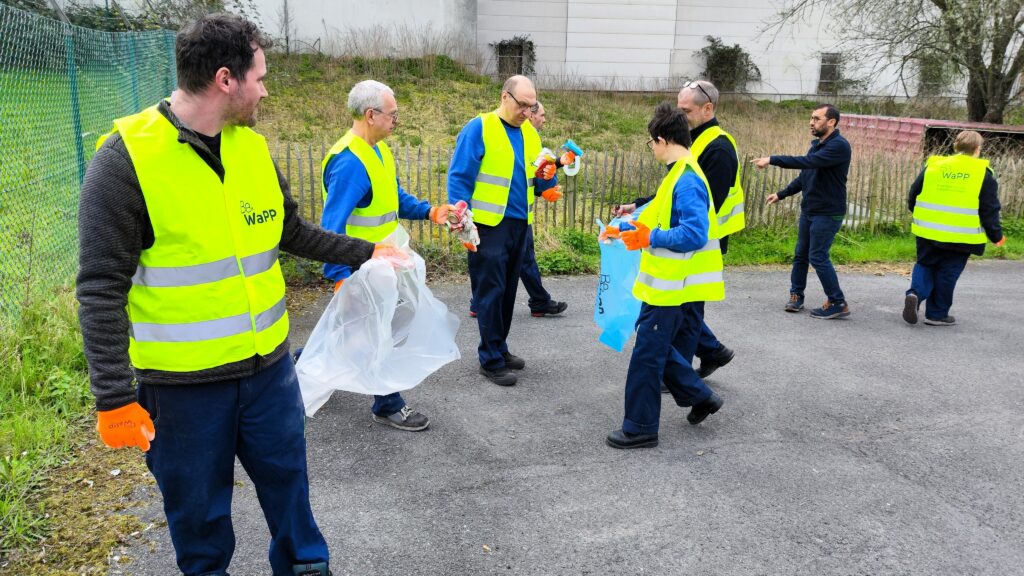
x: 200, y: 428
x: 813, y: 242
x: 934, y: 280
x: 385, y: 406
x: 666, y: 339
x: 530, y: 274
x: 494, y: 277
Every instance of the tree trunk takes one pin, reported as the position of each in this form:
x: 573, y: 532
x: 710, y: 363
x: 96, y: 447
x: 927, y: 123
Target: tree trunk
x: 976, y: 104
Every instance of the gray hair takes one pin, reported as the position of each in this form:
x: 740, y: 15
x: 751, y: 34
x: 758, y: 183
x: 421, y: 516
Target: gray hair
x: 699, y: 97
x: 366, y: 95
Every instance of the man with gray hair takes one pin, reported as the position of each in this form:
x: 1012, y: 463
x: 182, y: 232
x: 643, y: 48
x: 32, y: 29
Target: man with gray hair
x: 363, y: 198
x: 718, y: 157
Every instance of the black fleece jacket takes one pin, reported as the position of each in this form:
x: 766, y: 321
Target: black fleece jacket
x: 822, y: 177
x: 114, y: 228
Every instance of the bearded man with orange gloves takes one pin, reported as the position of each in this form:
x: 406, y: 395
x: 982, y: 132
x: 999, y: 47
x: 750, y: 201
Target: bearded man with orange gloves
x: 362, y: 198
x: 181, y: 218
x: 680, y: 269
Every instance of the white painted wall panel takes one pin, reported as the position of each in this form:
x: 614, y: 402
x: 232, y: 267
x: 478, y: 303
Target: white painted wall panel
x: 618, y: 41
x: 521, y: 8
x: 647, y: 11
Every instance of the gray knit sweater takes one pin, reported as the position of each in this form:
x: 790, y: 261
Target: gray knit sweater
x: 114, y: 228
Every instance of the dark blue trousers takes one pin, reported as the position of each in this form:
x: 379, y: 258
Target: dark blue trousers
x: 385, y: 406
x: 494, y: 276
x: 707, y: 342
x: 813, y: 243
x: 200, y: 429
x: 934, y: 279
x: 530, y: 275
x: 666, y: 339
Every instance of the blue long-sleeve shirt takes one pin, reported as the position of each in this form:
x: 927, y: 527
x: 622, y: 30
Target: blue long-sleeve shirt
x: 822, y: 176
x: 465, y: 166
x: 689, y: 219
x: 348, y: 188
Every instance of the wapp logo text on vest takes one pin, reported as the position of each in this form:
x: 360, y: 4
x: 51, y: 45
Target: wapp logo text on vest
x: 253, y: 217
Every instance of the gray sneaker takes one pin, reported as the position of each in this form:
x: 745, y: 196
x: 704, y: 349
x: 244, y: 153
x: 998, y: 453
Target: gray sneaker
x: 795, y: 304
x: 947, y: 321
x: 405, y: 419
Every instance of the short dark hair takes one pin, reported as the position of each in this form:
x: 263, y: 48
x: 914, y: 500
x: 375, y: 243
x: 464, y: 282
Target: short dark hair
x: 213, y: 42
x: 831, y: 112
x: 669, y: 123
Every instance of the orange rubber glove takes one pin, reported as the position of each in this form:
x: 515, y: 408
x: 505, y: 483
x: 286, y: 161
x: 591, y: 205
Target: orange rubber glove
x: 128, y: 425
x: 608, y: 232
x: 567, y: 158
x: 392, y: 255
x: 439, y: 214
x: 1002, y: 241
x: 552, y: 194
x: 546, y: 172
x: 469, y: 246
x: 337, y: 285
x: 637, y: 239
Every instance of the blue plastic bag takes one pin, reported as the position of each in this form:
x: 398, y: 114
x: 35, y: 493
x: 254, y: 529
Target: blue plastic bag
x: 615, y: 307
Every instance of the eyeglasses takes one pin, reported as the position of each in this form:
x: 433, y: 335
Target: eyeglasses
x: 531, y: 107
x: 651, y: 143
x: 696, y: 84
x: 393, y: 115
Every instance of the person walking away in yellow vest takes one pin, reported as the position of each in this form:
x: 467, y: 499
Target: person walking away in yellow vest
x: 680, y: 269
x: 363, y: 198
x: 181, y: 217
x: 718, y: 157
x: 491, y: 169
x: 822, y: 180
x: 955, y: 201
x: 541, y: 304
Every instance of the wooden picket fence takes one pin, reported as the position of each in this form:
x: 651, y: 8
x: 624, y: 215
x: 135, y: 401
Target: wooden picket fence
x: 876, y: 189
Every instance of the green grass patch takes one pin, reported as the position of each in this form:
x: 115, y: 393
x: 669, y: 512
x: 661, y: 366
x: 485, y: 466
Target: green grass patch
x: 45, y: 399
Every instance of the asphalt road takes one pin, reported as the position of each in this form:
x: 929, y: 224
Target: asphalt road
x: 858, y: 446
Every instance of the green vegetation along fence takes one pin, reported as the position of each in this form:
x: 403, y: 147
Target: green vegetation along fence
x: 877, y: 188
x: 60, y: 88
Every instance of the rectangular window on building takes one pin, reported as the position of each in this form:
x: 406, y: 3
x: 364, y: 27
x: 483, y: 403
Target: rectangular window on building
x: 510, y: 60
x: 831, y: 74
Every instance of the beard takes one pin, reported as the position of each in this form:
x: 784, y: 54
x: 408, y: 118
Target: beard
x: 241, y: 113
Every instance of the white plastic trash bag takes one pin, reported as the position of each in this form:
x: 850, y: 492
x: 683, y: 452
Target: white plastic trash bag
x: 382, y: 332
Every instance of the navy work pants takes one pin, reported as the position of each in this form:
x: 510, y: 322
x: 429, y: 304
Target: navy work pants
x: 530, y: 274
x: 934, y: 279
x: 494, y: 276
x: 200, y: 429
x: 666, y: 339
x: 813, y: 242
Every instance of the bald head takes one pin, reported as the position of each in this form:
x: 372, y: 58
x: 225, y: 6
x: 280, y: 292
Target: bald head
x: 518, y: 100
x: 539, y: 117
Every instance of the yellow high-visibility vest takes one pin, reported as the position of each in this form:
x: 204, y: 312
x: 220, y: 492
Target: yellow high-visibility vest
x: 667, y: 277
x: 209, y: 291
x: 730, y: 216
x: 490, y: 194
x: 947, y: 208
x: 380, y: 218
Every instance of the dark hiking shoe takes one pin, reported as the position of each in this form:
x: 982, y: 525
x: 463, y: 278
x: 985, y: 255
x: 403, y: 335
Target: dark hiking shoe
x: 714, y: 361
x: 405, y: 419
x: 910, y: 304
x: 552, y: 309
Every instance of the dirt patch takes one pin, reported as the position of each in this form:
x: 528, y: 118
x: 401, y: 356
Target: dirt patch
x: 86, y: 503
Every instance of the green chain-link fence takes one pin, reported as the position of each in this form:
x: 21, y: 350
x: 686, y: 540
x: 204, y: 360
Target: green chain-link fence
x: 60, y: 88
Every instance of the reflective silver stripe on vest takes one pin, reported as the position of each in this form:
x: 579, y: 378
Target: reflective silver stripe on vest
x: 531, y: 182
x: 947, y: 228
x: 675, y: 285
x: 737, y: 209
x: 180, y: 276
x: 371, y: 221
x: 261, y: 262
x: 488, y: 207
x: 496, y: 180
x: 267, y: 318
x: 950, y: 209
x: 207, y: 329
x: 673, y: 255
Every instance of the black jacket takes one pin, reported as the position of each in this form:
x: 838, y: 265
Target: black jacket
x: 988, y: 212
x: 822, y: 176
x: 719, y: 163
x: 114, y: 228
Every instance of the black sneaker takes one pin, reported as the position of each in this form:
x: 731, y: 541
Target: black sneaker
x: 625, y: 440
x: 947, y: 321
x: 831, y: 311
x: 318, y: 569
x: 513, y: 362
x: 910, y: 304
x: 795, y: 304
x: 501, y: 376
x: 552, y: 309
x: 706, y: 408
x: 405, y: 419
x: 714, y: 361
